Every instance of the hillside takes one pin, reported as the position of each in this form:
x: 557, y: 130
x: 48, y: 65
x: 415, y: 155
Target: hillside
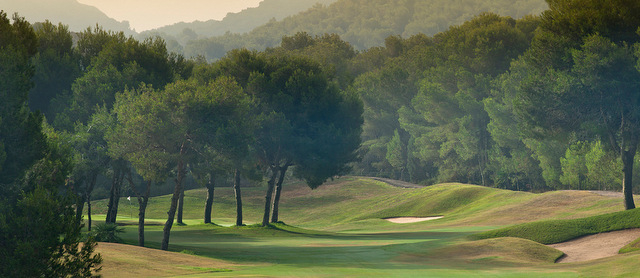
x: 76, y: 15
x: 365, y: 24
x: 240, y: 22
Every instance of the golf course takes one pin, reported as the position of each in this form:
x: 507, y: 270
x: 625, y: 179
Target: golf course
x: 343, y: 229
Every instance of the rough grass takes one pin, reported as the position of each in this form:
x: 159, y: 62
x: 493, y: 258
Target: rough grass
x: 556, y: 231
x: 132, y: 261
x: 512, y: 250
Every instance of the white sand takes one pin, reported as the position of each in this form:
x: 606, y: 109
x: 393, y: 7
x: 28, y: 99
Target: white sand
x: 596, y: 246
x: 403, y: 220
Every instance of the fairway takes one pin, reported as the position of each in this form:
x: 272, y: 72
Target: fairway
x: 340, y: 230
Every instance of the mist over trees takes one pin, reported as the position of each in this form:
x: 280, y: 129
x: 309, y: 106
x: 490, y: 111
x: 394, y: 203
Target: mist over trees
x: 364, y: 24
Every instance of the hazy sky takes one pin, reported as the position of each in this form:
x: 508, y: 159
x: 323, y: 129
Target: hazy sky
x: 148, y: 14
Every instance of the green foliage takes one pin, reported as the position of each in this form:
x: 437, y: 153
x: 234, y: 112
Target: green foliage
x: 107, y: 232
x: 364, y: 24
x: 33, y: 176
x: 555, y: 231
x: 57, y: 65
x: 305, y: 119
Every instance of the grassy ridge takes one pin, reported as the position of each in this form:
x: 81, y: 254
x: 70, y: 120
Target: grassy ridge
x: 556, y: 231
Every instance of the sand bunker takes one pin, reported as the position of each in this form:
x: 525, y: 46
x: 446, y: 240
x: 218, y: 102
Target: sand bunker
x: 595, y: 246
x: 403, y: 220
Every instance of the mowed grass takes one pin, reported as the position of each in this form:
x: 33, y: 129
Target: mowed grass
x: 338, y: 230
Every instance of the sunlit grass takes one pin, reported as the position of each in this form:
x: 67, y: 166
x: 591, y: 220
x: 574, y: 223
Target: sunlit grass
x: 337, y: 230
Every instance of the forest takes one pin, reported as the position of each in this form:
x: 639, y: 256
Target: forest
x: 364, y: 24
x: 543, y: 102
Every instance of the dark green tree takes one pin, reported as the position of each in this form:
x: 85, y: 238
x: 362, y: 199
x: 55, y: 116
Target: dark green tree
x: 305, y: 120
x: 39, y: 233
x: 583, y: 77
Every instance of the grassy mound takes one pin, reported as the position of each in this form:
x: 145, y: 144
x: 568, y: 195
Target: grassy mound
x: 555, y: 231
x: 508, y: 249
x: 134, y: 261
x: 631, y: 247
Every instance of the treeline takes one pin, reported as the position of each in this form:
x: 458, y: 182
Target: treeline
x: 364, y: 24
x: 133, y: 116
x: 539, y: 103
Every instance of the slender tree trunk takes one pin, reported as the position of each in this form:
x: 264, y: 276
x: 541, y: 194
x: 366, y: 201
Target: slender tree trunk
x: 208, y: 207
x: 111, y: 196
x: 627, y: 179
x: 79, y: 208
x: 267, y: 204
x: 87, y: 195
x: 114, y: 198
x: 142, y: 210
x: 166, y: 232
x: 276, y: 198
x: 238, y: 193
x: 181, y: 206
x: 89, y: 213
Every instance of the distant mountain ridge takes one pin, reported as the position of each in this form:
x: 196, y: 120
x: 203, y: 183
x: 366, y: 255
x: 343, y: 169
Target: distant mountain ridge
x: 70, y: 12
x: 243, y: 21
x: 364, y: 23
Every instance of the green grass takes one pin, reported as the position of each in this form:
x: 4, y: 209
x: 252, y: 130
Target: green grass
x: 555, y: 231
x: 338, y: 230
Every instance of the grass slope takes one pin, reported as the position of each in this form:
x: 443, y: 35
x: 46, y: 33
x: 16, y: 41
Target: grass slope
x: 555, y: 231
x: 338, y: 230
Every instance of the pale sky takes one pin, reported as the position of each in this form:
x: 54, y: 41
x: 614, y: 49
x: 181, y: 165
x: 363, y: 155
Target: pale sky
x: 149, y: 14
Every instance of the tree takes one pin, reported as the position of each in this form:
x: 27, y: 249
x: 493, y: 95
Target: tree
x: 583, y: 76
x: 224, y: 131
x: 159, y: 131
x: 150, y: 134
x: 57, y: 65
x: 39, y: 233
x: 304, y: 119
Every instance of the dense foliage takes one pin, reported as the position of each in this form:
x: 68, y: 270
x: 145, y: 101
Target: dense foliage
x: 39, y: 232
x: 364, y: 24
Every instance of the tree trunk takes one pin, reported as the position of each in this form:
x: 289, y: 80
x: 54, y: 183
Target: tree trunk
x: 267, y: 204
x: 87, y: 195
x: 276, y: 198
x: 79, y: 208
x: 208, y: 207
x: 627, y: 171
x: 174, y: 204
x: 111, y: 194
x: 238, y: 193
x: 180, y: 207
x: 114, y: 198
x: 89, y: 213
x: 143, y: 201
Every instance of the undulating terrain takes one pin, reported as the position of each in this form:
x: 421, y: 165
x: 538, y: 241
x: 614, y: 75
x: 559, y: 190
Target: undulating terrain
x: 340, y: 229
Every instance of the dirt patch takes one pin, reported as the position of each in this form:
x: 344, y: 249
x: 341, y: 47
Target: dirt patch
x: 595, y: 246
x: 404, y: 220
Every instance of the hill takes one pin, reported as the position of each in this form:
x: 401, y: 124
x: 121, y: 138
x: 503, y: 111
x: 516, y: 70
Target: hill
x: 240, y: 22
x: 70, y: 12
x: 365, y: 24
